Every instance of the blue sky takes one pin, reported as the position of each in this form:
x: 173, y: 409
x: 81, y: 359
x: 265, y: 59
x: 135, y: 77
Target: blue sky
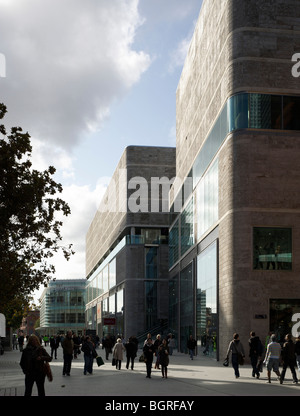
x: 86, y: 79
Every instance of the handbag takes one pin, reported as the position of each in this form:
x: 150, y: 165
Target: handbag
x: 113, y: 361
x: 142, y: 359
x: 47, y: 371
x: 240, y: 359
x: 226, y: 362
x: 99, y: 360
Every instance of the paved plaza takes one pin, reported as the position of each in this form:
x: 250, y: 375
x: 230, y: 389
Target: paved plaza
x: 201, y: 377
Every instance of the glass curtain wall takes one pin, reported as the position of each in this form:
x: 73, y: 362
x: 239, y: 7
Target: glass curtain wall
x: 187, y: 326
x: 207, y: 305
x: 174, y: 306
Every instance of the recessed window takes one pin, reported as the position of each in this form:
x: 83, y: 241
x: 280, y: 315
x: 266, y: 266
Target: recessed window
x: 272, y: 248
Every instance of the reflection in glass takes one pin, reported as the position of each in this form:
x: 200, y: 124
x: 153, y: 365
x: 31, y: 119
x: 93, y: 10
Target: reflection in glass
x: 151, y: 262
x: 281, y: 313
x: 186, y: 306
x: 207, y: 194
x: 151, y: 303
x: 174, y: 244
x: 207, y: 310
x: 187, y: 227
x: 272, y: 248
x: 291, y: 112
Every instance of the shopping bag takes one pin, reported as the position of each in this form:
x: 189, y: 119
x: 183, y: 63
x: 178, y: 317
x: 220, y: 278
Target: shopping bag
x: 99, y: 361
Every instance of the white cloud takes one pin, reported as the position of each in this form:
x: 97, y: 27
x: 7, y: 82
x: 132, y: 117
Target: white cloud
x: 66, y: 62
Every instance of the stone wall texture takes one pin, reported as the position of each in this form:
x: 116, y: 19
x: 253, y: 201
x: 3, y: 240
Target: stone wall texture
x: 244, y: 46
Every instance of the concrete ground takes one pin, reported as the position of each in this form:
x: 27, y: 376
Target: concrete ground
x: 201, y: 377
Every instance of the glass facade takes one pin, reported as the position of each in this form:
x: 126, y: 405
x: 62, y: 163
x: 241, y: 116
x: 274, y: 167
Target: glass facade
x: 174, y: 305
x: 207, y: 200
x: 174, y: 244
x: 186, y: 306
x: 63, y: 307
x: 151, y: 304
x: 207, y: 305
x: 187, y: 227
x: 151, y: 262
x: 272, y: 248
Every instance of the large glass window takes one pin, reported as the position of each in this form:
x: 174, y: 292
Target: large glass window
x: 187, y: 326
x: 265, y: 111
x: 238, y: 112
x: 272, y: 248
x: 151, y: 303
x: 187, y: 227
x: 151, y: 262
x: 173, y: 305
x: 207, y: 308
x: 291, y: 112
x: 281, y: 314
x: 112, y: 273
x: 120, y: 312
x: 174, y: 244
x: 105, y: 279
x: 207, y: 198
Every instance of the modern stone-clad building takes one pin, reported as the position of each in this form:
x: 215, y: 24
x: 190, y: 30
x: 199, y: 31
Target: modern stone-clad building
x: 127, y: 246
x: 235, y: 244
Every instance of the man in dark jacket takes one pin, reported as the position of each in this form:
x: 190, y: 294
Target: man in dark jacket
x: 148, y: 351
x: 68, y: 348
x: 191, y: 344
x: 131, y: 349
x: 255, y: 353
x: 288, y: 358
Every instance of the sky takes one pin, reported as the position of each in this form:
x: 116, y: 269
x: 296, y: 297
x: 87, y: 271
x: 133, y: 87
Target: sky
x: 86, y: 79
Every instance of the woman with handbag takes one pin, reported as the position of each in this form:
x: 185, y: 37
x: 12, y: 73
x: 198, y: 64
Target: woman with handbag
x: 89, y: 354
x: 237, y: 354
x: 33, y: 360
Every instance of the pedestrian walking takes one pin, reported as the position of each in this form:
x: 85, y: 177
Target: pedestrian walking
x: 255, y: 353
x: 14, y: 342
x: 54, y: 344
x: 163, y: 352
x: 89, y: 353
x: 32, y: 363
x: 191, y: 345
x: 272, y: 357
x: 156, y: 345
x: 171, y: 343
x: 77, y: 343
x: 68, y: 348
x: 108, y: 344
x: 289, y: 358
x: 21, y: 342
x: 237, y: 354
x: 148, y: 351
x: 118, y: 353
x: 131, y: 350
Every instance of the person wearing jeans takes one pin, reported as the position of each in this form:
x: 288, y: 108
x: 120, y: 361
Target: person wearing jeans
x: 191, y: 344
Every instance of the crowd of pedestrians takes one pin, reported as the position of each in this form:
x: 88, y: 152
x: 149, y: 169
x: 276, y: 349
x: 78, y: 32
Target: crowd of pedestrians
x: 271, y: 355
x: 155, y: 354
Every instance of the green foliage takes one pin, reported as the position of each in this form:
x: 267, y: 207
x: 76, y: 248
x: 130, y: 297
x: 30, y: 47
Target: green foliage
x: 29, y: 230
